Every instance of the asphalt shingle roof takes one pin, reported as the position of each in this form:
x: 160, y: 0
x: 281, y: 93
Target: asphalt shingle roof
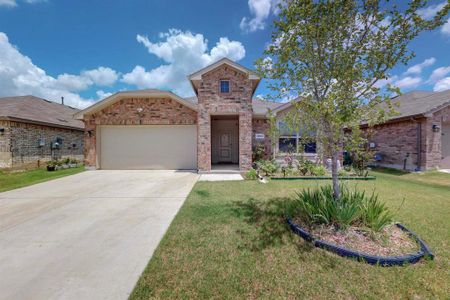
x: 420, y: 103
x: 38, y: 110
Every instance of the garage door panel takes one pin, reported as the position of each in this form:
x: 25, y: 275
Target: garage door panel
x: 148, y: 147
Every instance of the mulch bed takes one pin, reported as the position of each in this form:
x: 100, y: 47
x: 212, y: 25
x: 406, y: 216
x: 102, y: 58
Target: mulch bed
x: 391, y: 241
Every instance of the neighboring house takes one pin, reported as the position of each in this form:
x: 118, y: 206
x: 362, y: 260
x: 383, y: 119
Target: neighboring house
x: 35, y: 130
x: 421, y: 126
x: 418, y: 138
x: 152, y: 129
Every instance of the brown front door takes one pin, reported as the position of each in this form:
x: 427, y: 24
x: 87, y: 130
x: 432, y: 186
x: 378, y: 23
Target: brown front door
x: 225, y: 147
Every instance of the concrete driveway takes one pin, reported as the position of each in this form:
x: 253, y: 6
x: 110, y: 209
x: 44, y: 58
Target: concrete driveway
x: 86, y: 236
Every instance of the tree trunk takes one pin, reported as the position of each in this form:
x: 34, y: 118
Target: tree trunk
x: 334, y: 175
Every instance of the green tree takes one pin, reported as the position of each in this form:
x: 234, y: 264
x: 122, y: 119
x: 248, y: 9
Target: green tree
x: 332, y: 56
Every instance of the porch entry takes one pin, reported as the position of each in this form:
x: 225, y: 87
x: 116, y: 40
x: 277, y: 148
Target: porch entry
x: 225, y: 140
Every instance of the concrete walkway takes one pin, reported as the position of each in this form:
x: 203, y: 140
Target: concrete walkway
x: 220, y: 177
x: 86, y: 236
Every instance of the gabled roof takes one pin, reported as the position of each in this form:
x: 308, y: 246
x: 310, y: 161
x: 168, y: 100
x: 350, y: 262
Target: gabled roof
x: 262, y: 107
x: 420, y: 103
x: 415, y: 103
x: 196, y: 77
x: 150, y: 93
x: 31, y: 109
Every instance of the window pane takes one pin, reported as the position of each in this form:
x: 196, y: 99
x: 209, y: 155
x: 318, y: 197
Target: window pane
x: 310, y: 147
x: 287, y: 144
x: 224, y: 86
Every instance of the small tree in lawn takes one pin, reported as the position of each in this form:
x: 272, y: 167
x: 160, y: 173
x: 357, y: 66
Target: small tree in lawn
x: 333, y: 55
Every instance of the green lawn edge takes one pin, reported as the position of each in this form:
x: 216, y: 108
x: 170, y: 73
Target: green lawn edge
x: 14, y: 180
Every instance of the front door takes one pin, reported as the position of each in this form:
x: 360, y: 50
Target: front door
x: 225, y: 146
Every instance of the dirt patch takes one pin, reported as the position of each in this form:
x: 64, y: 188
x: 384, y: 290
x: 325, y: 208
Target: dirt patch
x: 391, y: 241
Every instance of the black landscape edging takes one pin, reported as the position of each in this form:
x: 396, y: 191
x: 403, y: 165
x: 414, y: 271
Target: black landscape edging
x: 385, y: 261
x: 324, y: 178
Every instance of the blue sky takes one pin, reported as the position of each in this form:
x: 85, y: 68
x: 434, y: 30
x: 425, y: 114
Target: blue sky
x: 85, y: 50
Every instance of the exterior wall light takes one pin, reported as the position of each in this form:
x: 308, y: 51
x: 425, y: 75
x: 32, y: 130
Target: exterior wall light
x: 436, y: 128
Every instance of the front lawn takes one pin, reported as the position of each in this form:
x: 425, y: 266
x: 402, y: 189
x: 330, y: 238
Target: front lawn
x: 229, y: 241
x: 13, y: 180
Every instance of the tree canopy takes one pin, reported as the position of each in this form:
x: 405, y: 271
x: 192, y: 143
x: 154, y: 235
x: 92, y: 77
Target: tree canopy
x: 333, y: 55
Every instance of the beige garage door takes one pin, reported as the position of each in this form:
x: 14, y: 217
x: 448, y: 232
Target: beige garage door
x: 148, y: 147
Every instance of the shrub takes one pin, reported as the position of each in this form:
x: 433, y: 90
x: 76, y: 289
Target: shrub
x: 268, y: 167
x: 343, y: 173
x: 317, y: 206
x: 52, y: 163
x: 251, y: 174
x: 259, y: 153
x: 305, y: 166
x: 318, y: 170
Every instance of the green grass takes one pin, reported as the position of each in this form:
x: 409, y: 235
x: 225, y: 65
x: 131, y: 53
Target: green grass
x: 14, y: 180
x: 229, y: 241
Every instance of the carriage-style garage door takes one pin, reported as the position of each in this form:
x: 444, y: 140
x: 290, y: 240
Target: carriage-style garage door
x: 148, y: 147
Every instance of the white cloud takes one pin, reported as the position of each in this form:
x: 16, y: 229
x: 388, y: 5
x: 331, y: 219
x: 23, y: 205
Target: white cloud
x: 439, y: 73
x: 102, y: 94
x: 260, y: 11
x: 20, y: 76
x: 13, y: 3
x: 383, y: 82
x: 102, y: 76
x: 408, y: 82
x: 442, y: 85
x: 183, y: 53
x: 8, y: 3
x: 417, y: 69
x: 73, y: 83
x: 430, y: 11
x: 446, y: 28
x: 35, y: 1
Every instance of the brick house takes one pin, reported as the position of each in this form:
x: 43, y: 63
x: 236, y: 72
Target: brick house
x: 219, y: 127
x: 417, y: 138
x: 153, y: 129
x: 35, y: 130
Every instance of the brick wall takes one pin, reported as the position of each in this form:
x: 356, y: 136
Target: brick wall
x: 393, y: 142
x: 25, y: 150
x: 262, y: 126
x: 155, y: 111
x: 5, y: 147
x: 433, y: 139
x: 237, y: 102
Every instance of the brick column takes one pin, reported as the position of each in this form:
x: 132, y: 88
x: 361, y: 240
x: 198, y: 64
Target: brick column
x: 90, y: 143
x: 245, y: 141
x: 204, y: 142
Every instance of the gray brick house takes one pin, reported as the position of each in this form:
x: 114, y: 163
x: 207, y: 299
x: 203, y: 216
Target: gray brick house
x: 35, y: 130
